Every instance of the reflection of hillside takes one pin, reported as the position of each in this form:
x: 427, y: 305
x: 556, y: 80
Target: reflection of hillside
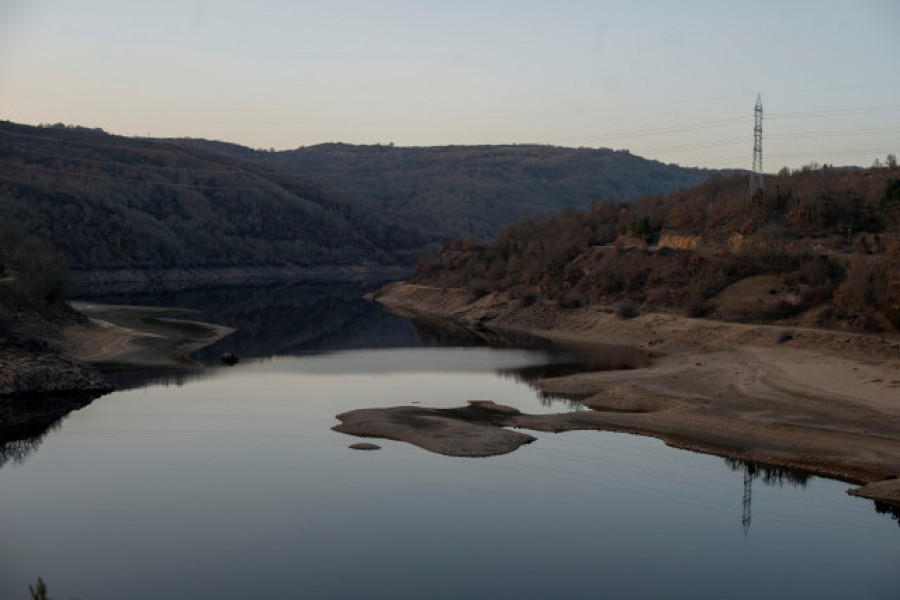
x: 563, y: 360
x: 126, y: 380
x: 893, y: 511
x: 26, y: 421
x: 285, y: 318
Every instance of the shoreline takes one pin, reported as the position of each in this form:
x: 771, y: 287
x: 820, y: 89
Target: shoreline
x: 39, y: 388
x: 819, y: 401
x: 230, y: 276
x: 122, y: 337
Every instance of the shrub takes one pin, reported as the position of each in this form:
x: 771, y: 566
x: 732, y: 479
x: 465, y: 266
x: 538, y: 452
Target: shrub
x: 870, y: 323
x: 525, y: 295
x: 480, y: 287
x: 866, y: 287
x: 815, y: 296
x: 819, y: 271
x: 781, y: 310
x: 39, y: 273
x: 6, y: 320
x: 38, y: 591
x: 627, y: 309
x: 571, y: 300
x: 699, y: 307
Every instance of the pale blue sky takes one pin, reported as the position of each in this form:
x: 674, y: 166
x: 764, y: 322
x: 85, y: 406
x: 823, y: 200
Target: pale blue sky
x: 671, y: 81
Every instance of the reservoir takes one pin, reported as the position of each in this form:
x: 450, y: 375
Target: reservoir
x: 228, y: 482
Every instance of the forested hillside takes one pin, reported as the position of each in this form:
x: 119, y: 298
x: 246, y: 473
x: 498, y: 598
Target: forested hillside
x: 818, y: 244
x: 115, y: 202
x: 474, y: 191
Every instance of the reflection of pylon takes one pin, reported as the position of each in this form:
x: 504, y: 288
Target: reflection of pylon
x: 748, y: 482
x: 756, y: 177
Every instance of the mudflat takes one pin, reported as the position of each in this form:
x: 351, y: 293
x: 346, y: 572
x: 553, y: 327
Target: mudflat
x: 134, y: 337
x: 822, y: 401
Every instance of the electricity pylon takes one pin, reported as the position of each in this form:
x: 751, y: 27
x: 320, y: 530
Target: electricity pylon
x: 748, y: 497
x: 756, y: 177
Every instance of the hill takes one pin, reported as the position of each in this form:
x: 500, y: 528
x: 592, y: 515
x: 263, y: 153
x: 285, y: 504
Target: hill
x: 114, y: 202
x: 820, y: 246
x: 473, y: 191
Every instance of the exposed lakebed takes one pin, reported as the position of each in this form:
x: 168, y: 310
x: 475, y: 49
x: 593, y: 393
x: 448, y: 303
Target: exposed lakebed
x: 228, y: 482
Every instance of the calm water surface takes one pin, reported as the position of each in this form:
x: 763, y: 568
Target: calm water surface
x: 229, y: 483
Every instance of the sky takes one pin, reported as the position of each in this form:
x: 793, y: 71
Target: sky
x: 671, y: 81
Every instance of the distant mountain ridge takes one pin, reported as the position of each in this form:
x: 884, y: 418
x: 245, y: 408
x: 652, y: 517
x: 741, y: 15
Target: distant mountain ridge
x: 112, y: 202
x: 474, y: 191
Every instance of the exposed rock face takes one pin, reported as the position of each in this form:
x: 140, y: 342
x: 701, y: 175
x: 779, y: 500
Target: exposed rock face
x: 27, y: 373
x: 681, y: 242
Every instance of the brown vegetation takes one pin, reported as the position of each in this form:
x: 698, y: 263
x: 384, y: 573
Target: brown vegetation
x: 827, y: 241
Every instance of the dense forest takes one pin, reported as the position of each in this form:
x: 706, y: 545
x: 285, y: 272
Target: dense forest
x: 113, y: 202
x: 822, y: 243
x: 474, y: 191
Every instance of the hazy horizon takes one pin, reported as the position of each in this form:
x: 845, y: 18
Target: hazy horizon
x: 670, y: 83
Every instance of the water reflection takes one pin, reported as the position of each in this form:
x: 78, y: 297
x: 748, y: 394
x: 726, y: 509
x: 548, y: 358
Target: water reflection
x: 275, y: 319
x: 27, y: 421
x: 312, y: 317
x: 892, y: 510
x: 279, y: 319
x: 769, y: 475
x: 568, y: 359
x: 127, y: 380
x: 16, y: 451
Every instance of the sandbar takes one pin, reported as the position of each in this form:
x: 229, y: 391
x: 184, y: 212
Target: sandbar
x: 819, y: 401
x: 120, y: 337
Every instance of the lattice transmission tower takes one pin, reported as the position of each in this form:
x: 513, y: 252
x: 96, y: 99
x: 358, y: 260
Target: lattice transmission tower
x: 756, y: 177
x: 749, y: 472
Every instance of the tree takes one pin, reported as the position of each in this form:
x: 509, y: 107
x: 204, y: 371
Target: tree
x: 38, y: 591
x: 889, y: 205
x: 892, y: 311
x: 891, y: 160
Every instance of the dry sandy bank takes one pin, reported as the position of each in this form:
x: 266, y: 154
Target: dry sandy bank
x: 821, y: 401
x: 135, y: 337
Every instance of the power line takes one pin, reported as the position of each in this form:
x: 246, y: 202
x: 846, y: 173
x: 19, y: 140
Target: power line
x: 660, y: 130
x: 621, y: 135
x: 811, y: 155
x: 674, y: 128
x: 782, y: 136
x: 836, y: 112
